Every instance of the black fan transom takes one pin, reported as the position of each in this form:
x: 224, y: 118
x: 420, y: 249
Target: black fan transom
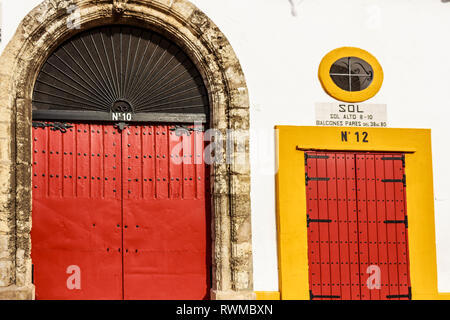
x: 120, y: 68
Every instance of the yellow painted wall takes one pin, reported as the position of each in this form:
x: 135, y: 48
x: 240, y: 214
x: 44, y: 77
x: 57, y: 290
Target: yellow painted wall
x: 267, y: 295
x: 291, y: 200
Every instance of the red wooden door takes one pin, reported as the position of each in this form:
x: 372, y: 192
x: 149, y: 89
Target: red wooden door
x: 357, y: 226
x: 77, y: 213
x: 165, y: 214
x: 115, y: 218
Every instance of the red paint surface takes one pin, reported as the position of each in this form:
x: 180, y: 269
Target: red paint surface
x: 358, y: 203
x: 114, y: 204
x: 165, y: 251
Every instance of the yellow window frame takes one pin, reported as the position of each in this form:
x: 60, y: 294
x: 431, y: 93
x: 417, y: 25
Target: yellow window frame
x: 292, y: 141
x: 355, y: 96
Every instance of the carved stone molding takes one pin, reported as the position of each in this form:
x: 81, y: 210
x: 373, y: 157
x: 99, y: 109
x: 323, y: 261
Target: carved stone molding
x: 119, y: 6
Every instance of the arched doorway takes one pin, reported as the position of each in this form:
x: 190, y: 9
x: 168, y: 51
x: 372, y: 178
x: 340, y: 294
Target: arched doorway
x: 120, y: 186
x: 38, y: 36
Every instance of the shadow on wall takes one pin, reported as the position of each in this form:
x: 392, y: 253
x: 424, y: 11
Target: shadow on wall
x: 294, y: 6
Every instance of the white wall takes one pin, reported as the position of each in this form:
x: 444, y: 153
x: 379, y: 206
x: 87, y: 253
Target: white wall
x: 280, y: 55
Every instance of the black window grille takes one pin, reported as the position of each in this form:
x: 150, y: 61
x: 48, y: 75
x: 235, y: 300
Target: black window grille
x: 120, y: 69
x: 351, y: 74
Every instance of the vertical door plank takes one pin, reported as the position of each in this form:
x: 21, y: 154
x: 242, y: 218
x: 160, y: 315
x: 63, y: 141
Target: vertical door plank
x: 335, y: 263
x: 314, y: 256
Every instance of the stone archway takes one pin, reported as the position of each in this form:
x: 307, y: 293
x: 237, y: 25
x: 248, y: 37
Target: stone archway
x: 41, y: 31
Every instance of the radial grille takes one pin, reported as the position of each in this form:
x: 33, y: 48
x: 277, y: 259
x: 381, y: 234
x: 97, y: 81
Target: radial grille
x: 119, y: 67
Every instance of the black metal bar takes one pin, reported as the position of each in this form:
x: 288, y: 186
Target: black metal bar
x: 54, y: 126
x: 405, y: 221
x: 314, y: 179
x: 32, y: 273
x: 396, y: 296
x: 396, y: 180
x: 106, y: 116
x: 314, y: 156
x: 120, y: 126
x: 402, y: 159
x: 313, y: 296
x: 180, y: 130
x: 308, y: 220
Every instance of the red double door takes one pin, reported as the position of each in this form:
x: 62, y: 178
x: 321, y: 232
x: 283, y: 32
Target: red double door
x: 120, y: 214
x: 357, y: 226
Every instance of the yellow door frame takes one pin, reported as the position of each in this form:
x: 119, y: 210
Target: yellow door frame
x: 292, y: 141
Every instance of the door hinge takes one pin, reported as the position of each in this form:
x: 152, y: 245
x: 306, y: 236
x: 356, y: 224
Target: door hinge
x: 396, y: 180
x: 180, y: 130
x: 405, y: 221
x: 308, y: 220
x: 121, y: 125
x: 54, y: 126
x: 313, y: 296
x: 402, y: 158
x: 396, y: 296
x: 314, y: 179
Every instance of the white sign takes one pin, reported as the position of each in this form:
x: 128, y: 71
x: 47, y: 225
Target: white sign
x: 351, y: 115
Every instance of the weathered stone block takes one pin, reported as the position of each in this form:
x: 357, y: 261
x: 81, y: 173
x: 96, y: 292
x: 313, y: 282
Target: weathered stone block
x: 240, y: 184
x: 6, y: 179
x: 5, y: 242
x: 23, y: 180
x: 163, y: 3
x: 7, y: 203
x: 5, y: 149
x: 23, y: 148
x: 240, y: 110
x: 4, y: 226
x: 242, y: 230
x: 23, y: 268
x: 5, y: 129
x: 221, y: 185
x: 23, y: 109
x: 241, y: 205
x: 241, y: 280
x: 17, y: 293
x: 7, y: 271
x: 6, y: 115
x: 197, y: 18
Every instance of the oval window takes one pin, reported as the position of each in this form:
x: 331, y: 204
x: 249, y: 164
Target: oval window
x: 350, y: 74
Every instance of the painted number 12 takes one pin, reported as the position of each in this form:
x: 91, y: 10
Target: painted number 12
x: 360, y: 136
x: 364, y: 136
